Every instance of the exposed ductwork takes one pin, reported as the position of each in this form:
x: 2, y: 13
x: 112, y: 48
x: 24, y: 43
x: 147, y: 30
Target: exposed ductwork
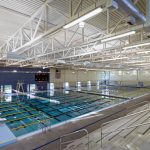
x: 147, y: 29
x: 147, y: 11
x: 14, y: 56
x: 127, y: 7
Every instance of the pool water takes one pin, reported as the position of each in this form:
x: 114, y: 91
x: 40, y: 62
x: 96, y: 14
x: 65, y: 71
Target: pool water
x: 124, y: 91
x: 28, y: 113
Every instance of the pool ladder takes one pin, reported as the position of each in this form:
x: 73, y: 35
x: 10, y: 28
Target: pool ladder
x: 43, y: 126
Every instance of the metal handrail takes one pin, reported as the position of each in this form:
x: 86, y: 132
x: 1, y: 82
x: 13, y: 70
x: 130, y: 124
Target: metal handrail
x: 120, y: 119
x: 127, y: 128
x: 125, y: 116
x: 146, y: 102
x: 107, y: 123
x: 122, y: 130
x: 65, y: 135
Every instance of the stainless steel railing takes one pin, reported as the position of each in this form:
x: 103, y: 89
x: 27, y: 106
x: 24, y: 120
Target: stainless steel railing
x: 87, y: 134
x: 135, y: 126
x: 78, y: 131
x: 133, y: 114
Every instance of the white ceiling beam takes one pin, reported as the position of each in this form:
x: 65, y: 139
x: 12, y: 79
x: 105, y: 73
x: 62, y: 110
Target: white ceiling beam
x: 75, y: 11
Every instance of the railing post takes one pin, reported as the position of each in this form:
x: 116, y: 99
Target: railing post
x: 101, y: 137
x: 60, y: 143
x: 88, y: 141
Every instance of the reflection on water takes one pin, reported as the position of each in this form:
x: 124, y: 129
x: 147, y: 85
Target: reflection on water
x: 89, y: 85
x: 65, y: 92
x: 98, y: 85
x: 105, y: 91
x: 66, y: 85
x: 6, y: 98
x: 78, y: 88
x: 54, y: 101
x: 78, y: 85
x: 31, y: 96
x: 89, y: 88
x: 51, y: 93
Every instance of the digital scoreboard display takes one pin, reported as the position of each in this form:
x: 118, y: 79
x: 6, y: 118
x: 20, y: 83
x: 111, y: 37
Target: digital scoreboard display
x: 42, y: 77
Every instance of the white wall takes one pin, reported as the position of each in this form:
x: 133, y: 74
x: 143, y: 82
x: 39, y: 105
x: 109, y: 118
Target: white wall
x: 73, y: 76
x: 124, y: 77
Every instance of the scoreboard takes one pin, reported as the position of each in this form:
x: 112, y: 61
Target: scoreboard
x: 42, y: 77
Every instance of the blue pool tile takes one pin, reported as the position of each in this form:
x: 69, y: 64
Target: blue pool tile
x: 74, y: 114
x: 54, y: 121
x: 64, y: 110
x: 63, y: 117
x: 54, y: 113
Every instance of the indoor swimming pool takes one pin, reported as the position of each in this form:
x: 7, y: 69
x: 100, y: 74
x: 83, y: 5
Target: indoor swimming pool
x: 122, y: 91
x: 35, y: 111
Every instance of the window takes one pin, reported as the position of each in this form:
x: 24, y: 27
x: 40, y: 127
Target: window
x: 78, y: 84
x: 66, y: 85
x: 7, y: 89
x: 32, y: 87
x: 1, y: 90
x: 89, y: 85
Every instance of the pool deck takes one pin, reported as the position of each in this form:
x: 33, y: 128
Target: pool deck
x: 6, y: 136
x: 111, y: 113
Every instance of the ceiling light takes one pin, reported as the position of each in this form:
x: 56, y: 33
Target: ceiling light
x: 81, y: 24
x: 14, y: 70
x: 118, y: 36
x: 137, y: 45
x: 143, y: 52
x: 127, y: 42
x: 84, y: 17
x: 111, y: 59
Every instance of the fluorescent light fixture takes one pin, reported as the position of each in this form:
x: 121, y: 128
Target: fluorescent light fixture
x: 118, y: 36
x: 142, y: 64
x: 81, y: 24
x: 25, y: 65
x: 137, y: 45
x: 84, y: 17
x: 143, y: 52
x: 133, y: 62
x: 111, y: 59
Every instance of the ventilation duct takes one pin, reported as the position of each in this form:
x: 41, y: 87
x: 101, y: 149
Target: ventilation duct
x: 147, y: 29
x: 86, y: 63
x: 127, y: 7
x: 111, y: 4
x: 131, y: 20
x: 14, y: 56
x: 147, y: 11
x: 60, y: 62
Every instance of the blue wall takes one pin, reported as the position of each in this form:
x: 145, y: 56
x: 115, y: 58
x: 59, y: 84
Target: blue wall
x: 8, y: 77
